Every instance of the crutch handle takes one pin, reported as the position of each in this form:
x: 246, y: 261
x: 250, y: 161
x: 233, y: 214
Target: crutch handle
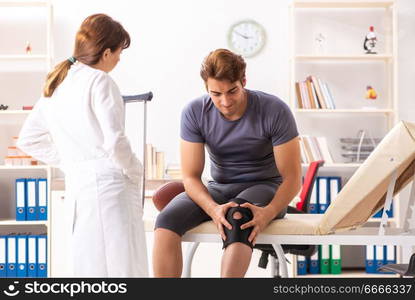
x: 138, y: 98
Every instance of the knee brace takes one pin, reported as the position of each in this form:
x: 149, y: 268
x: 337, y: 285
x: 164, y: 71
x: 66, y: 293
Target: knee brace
x: 236, y: 234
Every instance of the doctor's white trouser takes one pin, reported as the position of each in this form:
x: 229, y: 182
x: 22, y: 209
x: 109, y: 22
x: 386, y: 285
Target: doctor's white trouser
x: 104, y: 222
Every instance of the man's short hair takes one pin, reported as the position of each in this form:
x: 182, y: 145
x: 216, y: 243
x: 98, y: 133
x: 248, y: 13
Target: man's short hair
x: 223, y: 64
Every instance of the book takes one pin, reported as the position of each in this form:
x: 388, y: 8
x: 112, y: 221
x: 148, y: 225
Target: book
x: 159, y: 165
x: 298, y: 93
x: 326, y: 155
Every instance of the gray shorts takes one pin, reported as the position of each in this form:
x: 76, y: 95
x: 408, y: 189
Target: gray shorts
x: 182, y: 214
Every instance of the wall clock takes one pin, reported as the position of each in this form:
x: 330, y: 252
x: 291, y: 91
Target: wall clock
x: 246, y: 37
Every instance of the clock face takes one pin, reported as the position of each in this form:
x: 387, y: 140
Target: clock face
x: 246, y: 38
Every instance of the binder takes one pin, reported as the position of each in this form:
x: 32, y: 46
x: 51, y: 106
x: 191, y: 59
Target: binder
x: 335, y: 186
x: 313, y: 207
x: 301, y: 265
x: 3, y: 252
x: 335, y: 259
x: 324, y: 259
x: 31, y: 256
x: 31, y: 199
x: 314, y: 263
x: 370, y: 259
x: 11, y: 256
x: 21, y: 198
x: 389, y: 255
x: 323, y: 194
x: 21, y: 256
x: 42, y: 187
x: 42, y: 256
x: 379, y: 257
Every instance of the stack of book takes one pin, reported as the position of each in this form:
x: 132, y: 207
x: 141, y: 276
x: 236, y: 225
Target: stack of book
x: 313, y: 93
x: 314, y: 148
x: 155, y: 165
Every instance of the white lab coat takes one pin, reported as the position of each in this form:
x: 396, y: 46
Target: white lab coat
x: 81, y: 128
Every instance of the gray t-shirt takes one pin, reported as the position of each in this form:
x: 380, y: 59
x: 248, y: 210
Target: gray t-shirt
x: 240, y: 150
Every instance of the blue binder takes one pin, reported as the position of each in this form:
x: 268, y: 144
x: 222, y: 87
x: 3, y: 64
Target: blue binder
x: 313, y: 206
x: 379, y: 257
x: 31, y: 256
x: 335, y: 187
x: 42, y: 250
x: 389, y: 256
x: 370, y: 259
x: 31, y: 199
x: 323, y: 194
x: 314, y: 264
x: 11, y: 256
x: 21, y: 198
x: 42, y: 192
x: 301, y: 265
x: 21, y: 256
x: 3, y: 256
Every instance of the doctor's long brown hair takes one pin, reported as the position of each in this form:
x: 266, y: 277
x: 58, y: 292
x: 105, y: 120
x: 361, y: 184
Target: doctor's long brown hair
x: 96, y: 34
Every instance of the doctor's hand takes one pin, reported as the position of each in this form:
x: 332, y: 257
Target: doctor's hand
x: 262, y: 217
x: 218, y: 216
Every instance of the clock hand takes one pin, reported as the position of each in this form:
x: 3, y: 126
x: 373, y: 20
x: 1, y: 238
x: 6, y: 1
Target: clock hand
x: 242, y: 35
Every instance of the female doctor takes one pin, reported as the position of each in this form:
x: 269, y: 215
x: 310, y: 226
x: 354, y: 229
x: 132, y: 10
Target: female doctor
x: 79, y: 124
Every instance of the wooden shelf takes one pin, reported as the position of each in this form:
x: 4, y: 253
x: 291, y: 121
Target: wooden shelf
x: 3, y: 167
x: 24, y: 4
x: 348, y: 273
x: 336, y: 166
x: 343, y: 4
x: 14, y: 222
x: 24, y: 57
x: 334, y: 111
x: 359, y: 57
x: 15, y: 112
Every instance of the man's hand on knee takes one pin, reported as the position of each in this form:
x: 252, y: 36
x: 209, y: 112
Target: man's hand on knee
x: 237, y: 216
x: 261, y: 218
x: 218, y: 216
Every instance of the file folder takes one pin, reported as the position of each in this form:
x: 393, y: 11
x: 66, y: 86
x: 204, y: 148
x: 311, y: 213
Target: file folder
x: 335, y: 259
x: 21, y: 197
x: 31, y: 199
x: 11, y: 256
x: 301, y: 265
x: 42, y: 256
x: 3, y: 252
x: 314, y: 264
x: 313, y: 206
x: 389, y: 255
x: 379, y: 257
x: 42, y: 186
x: 21, y: 256
x: 335, y: 186
x: 31, y: 256
x: 324, y: 259
x: 323, y: 194
x: 370, y: 259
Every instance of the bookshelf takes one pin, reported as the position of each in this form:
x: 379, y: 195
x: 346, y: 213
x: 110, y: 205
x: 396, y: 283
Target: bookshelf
x: 327, y: 42
x: 22, y: 21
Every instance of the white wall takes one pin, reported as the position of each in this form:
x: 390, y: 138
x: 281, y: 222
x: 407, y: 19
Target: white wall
x: 171, y: 38
x: 169, y: 41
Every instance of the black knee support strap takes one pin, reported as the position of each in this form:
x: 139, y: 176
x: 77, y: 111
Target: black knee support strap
x: 236, y: 234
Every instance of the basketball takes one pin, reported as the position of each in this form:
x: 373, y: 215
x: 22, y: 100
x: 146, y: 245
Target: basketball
x: 164, y: 194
